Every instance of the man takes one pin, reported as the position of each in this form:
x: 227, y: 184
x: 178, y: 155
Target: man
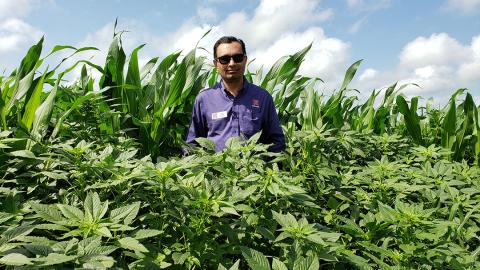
x: 234, y: 107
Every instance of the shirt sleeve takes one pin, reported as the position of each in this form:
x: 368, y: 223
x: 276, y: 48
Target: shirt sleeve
x: 198, y: 127
x: 272, y: 131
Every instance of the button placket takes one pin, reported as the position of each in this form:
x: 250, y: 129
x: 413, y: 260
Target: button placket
x: 237, y: 114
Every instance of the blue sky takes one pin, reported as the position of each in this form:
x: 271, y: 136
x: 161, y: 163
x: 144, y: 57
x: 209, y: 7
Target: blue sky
x: 435, y: 44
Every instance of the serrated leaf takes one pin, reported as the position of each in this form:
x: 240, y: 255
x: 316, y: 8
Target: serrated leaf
x: 278, y: 265
x: 229, y: 210
x: 132, y: 244
x: 53, y: 227
x: 127, y: 213
x: 15, y: 259
x: 104, y: 231
x: 5, y: 216
x: 320, y: 237
x: 235, y: 266
x: 71, y: 212
x: 283, y: 235
x: 7, y: 246
x: 358, y: 261
x: 47, y: 212
x: 286, y: 221
x: 103, y: 250
x: 39, y: 249
x: 141, y: 234
x: 54, y: 175
x: 23, y: 154
x: 94, y: 208
x: 13, y: 233
x: 382, y: 265
x: 387, y: 213
x: 64, y: 246
x: 57, y: 258
x: 381, y: 250
x: 206, y: 143
x: 121, y: 227
x: 99, y: 262
x: 308, y: 263
x: 35, y: 239
x: 88, y: 245
x: 255, y: 259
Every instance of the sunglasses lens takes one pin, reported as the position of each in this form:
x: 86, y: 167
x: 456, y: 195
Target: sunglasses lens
x: 237, y: 58
x: 224, y: 59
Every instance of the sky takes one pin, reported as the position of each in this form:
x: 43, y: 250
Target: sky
x: 432, y: 43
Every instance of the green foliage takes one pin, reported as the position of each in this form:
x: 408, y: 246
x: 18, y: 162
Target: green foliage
x: 92, y: 178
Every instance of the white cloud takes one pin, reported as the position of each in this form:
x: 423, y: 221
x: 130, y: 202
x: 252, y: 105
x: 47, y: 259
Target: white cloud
x: 354, y: 3
x: 368, y: 74
x: 438, y: 49
x: 425, y: 72
x: 275, y: 29
x: 15, y: 34
x: 476, y: 47
x: 187, y: 37
x: 272, y: 18
x: 357, y: 25
x: 9, y: 42
x: 271, y: 21
x: 326, y: 57
x: 137, y: 33
x: 470, y: 72
x: 439, y: 64
x: 216, y: 1
x: 21, y: 8
x: 368, y: 5
x: 206, y: 14
x: 18, y: 8
x: 465, y: 6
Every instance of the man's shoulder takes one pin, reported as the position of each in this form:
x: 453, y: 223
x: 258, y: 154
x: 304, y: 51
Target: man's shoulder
x: 259, y: 90
x: 208, y: 91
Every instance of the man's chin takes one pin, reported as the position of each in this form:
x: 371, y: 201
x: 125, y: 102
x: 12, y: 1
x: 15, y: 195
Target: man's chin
x: 232, y: 78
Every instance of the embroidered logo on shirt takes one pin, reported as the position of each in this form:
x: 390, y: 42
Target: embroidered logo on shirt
x: 255, y: 103
x: 219, y: 115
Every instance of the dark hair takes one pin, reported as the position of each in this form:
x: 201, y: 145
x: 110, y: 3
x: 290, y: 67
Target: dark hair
x: 228, y: 39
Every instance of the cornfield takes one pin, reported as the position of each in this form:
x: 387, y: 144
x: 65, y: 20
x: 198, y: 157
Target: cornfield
x: 96, y: 179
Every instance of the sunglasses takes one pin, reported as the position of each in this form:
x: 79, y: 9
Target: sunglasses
x: 225, y: 59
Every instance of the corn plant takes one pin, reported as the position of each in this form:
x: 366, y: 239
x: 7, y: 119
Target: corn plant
x: 87, y: 180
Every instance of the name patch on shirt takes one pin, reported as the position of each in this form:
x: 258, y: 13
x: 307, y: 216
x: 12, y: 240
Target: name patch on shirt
x: 255, y: 103
x: 219, y: 115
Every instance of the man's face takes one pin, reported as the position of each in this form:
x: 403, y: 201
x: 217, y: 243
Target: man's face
x: 230, y: 71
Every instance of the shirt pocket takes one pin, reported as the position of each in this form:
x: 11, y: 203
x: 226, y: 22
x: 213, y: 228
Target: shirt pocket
x: 252, y: 122
x: 217, y: 126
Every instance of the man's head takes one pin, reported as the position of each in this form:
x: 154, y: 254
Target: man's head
x: 230, y: 58
x: 226, y: 40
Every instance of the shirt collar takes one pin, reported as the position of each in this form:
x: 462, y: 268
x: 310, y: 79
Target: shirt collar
x: 242, y: 92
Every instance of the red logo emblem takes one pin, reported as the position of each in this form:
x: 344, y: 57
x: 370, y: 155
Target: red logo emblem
x: 255, y: 103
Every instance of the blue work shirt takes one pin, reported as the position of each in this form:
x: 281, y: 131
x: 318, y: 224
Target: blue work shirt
x: 218, y: 116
